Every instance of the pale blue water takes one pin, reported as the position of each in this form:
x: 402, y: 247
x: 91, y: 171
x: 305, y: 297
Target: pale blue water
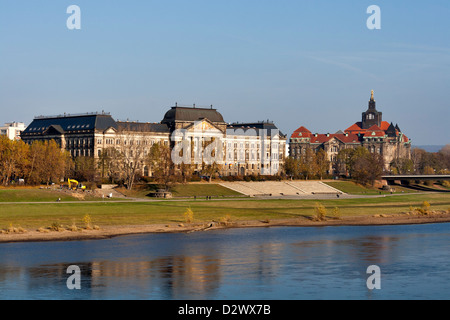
x: 240, y: 264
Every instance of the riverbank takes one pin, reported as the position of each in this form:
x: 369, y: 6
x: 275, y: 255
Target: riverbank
x: 439, y: 216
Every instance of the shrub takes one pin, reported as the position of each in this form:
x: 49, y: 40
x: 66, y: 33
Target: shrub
x: 225, y: 220
x: 337, y: 213
x: 55, y: 226
x: 189, y: 215
x: 87, y: 221
x: 426, y: 206
x: 320, y: 211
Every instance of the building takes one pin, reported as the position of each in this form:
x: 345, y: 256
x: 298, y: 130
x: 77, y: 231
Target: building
x: 242, y: 149
x: 372, y: 132
x: 12, y: 130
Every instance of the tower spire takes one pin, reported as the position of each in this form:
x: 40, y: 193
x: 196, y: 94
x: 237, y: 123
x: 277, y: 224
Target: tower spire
x: 371, y: 97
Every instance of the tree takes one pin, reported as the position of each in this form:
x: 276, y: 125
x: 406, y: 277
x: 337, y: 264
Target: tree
x: 349, y: 157
x: 85, y: 169
x: 367, y: 168
x: 13, y: 159
x: 163, y: 168
x: 306, y: 164
x: 292, y: 167
x: 109, y: 164
x: 402, y: 166
x: 321, y: 163
x: 47, y: 163
x: 132, y: 154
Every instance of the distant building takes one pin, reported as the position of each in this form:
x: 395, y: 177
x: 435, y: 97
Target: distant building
x: 372, y: 132
x: 247, y: 149
x: 12, y: 130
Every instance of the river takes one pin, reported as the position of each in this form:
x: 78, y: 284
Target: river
x: 238, y: 264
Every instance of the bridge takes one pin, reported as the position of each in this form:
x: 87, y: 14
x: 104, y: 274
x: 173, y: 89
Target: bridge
x: 432, y: 177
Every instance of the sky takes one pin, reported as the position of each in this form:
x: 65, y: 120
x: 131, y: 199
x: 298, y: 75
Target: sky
x: 294, y: 62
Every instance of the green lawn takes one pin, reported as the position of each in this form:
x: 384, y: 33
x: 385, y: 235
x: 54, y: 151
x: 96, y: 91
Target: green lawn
x: 350, y: 187
x: 37, y: 215
x: 32, y: 195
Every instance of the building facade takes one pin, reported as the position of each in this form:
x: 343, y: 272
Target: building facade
x: 241, y: 149
x: 12, y: 130
x: 372, y: 132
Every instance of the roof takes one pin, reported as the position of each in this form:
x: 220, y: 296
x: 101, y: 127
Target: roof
x: 68, y: 123
x: 374, y: 128
x: 385, y: 125
x: 345, y: 138
x: 191, y: 114
x: 356, y: 127
x: 143, y: 127
x: 269, y: 126
x: 301, y: 132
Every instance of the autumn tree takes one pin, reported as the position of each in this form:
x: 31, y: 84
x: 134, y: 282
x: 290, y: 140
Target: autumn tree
x: 367, y: 168
x: 13, y: 159
x: 85, y: 169
x: 292, y: 167
x: 160, y: 159
x: 321, y: 164
x: 47, y: 163
x: 306, y: 164
x: 109, y: 164
x: 402, y: 166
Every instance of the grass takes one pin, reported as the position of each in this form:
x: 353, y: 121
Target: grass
x: 33, y: 216
x: 350, y: 187
x: 32, y: 195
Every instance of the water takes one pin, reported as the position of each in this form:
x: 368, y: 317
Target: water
x: 240, y: 264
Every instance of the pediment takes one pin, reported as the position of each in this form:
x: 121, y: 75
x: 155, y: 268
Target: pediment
x: 110, y: 130
x: 203, y: 126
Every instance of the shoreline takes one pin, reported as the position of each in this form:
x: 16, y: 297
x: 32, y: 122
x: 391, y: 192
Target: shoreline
x: 117, y: 231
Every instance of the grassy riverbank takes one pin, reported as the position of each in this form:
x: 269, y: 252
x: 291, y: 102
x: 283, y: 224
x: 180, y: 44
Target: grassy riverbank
x: 35, y: 215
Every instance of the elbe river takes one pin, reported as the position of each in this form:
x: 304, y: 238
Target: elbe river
x: 237, y: 264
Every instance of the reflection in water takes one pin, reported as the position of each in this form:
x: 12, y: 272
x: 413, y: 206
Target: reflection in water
x: 277, y: 263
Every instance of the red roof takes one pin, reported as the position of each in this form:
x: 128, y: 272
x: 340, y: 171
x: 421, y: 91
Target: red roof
x: 385, y: 125
x: 301, y: 132
x: 345, y: 138
x: 355, y: 127
x: 374, y: 128
x: 374, y: 134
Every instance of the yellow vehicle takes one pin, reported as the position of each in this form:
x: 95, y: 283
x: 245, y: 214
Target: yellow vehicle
x: 74, y: 185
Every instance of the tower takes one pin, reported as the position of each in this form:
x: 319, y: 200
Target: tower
x: 372, y: 116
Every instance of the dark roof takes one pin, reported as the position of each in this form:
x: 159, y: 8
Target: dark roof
x: 269, y: 126
x: 69, y: 123
x: 192, y: 114
x: 143, y: 127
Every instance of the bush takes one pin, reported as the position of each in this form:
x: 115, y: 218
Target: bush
x: 225, y: 220
x: 337, y: 213
x: 320, y: 211
x: 87, y: 221
x: 426, y: 206
x: 189, y: 215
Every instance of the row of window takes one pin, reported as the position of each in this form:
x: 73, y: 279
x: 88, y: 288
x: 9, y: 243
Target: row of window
x: 110, y: 141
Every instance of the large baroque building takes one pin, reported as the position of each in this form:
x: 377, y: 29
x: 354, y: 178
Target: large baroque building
x: 372, y: 132
x: 246, y: 148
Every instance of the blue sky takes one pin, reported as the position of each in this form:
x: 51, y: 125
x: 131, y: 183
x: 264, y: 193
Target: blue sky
x: 310, y: 63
